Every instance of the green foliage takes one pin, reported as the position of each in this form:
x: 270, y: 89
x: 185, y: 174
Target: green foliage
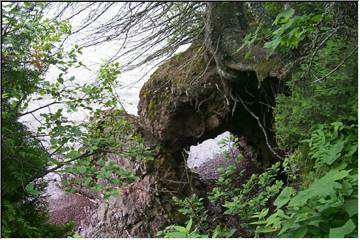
x: 223, y: 232
x: 253, y: 195
x: 229, y: 145
x: 105, y: 177
x: 29, y: 219
x: 176, y: 231
x: 253, y: 38
x: 328, y: 206
x: 110, y: 133
x: 225, y: 185
x: 313, y: 102
x: 193, y: 208
x: 239, y: 201
x: 290, y: 26
x: 321, y: 109
x: 22, y: 157
x: 197, y: 218
x: 28, y: 42
x: 242, y: 201
x: 32, y: 44
x: 291, y: 29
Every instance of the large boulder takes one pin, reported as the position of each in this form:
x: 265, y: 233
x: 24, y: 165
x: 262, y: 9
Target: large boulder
x: 206, y: 90
x: 183, y: 102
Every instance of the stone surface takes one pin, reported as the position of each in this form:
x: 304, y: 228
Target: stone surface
x: 71, y: 207
x: 135, y: 214
x: 223, y: 40
x: 182, y: 102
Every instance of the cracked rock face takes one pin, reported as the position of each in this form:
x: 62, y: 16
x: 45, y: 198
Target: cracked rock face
x: 135, y: 214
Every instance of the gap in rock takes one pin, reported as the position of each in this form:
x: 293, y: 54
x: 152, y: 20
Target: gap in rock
x: 206, y: 157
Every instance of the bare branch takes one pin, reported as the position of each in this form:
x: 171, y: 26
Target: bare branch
x: 39, y: 108
x: 138, y: 28
x: 260, y: 125
x: 337, y: 67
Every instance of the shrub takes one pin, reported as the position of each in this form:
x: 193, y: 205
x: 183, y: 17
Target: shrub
x: 328, y: 206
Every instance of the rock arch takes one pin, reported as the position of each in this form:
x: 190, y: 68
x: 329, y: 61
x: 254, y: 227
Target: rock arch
x: 196, y: 95
x: 179, y: 109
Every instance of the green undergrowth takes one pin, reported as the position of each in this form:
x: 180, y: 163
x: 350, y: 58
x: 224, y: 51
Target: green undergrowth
x: 326, y: 206
x: 112, y: 133
x: 312, y: 192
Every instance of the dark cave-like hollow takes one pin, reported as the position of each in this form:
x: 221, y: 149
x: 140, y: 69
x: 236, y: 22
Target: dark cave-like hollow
x: 239, y: 120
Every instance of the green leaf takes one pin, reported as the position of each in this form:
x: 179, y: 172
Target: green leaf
x: 261, y: 214
x: 30, y: 188
x: 188, y: 226
x: 284, y: 16
x: 274, y: 220
x: 284, y: 197
x: 322, y: 187
x: 342, y: 231
x: 272, y: 44
x: 258, y: 222
x: 351, y: 207
x: 316, y: 18
x: 299, y: 233
x: 264, y: 229
x: 82, y: 169
x: 180, y: 229
x: 334, y: 152
x: 175, y: 235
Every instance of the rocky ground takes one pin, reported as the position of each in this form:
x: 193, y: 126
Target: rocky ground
x: 70, y: 207
x: 208, y: 170
x: 65, y: 206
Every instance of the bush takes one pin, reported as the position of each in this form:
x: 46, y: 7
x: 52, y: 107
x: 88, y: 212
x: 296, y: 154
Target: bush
x: 312, y: 101
x: 328, y: 206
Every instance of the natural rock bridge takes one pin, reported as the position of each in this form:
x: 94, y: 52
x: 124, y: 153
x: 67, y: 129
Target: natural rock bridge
x: 211, y: 88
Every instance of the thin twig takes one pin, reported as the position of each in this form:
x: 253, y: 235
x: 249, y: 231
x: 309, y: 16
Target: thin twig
x: 260, y: 125
x: 60, y: 165
x: 337, y: 67
x: 39, y: 108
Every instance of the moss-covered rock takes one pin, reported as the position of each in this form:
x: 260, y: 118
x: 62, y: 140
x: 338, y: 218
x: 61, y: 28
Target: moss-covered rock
x: 182, y: 99
x: 224, y: 40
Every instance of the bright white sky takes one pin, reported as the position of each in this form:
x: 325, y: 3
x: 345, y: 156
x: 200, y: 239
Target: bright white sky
x: 130, y: 82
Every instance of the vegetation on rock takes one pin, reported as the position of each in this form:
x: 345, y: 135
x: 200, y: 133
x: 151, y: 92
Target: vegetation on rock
x: 281, y: 77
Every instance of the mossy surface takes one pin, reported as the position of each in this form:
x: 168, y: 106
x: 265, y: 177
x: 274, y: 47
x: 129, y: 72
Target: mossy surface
x: 171, y: 82
x: 264, y: 67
